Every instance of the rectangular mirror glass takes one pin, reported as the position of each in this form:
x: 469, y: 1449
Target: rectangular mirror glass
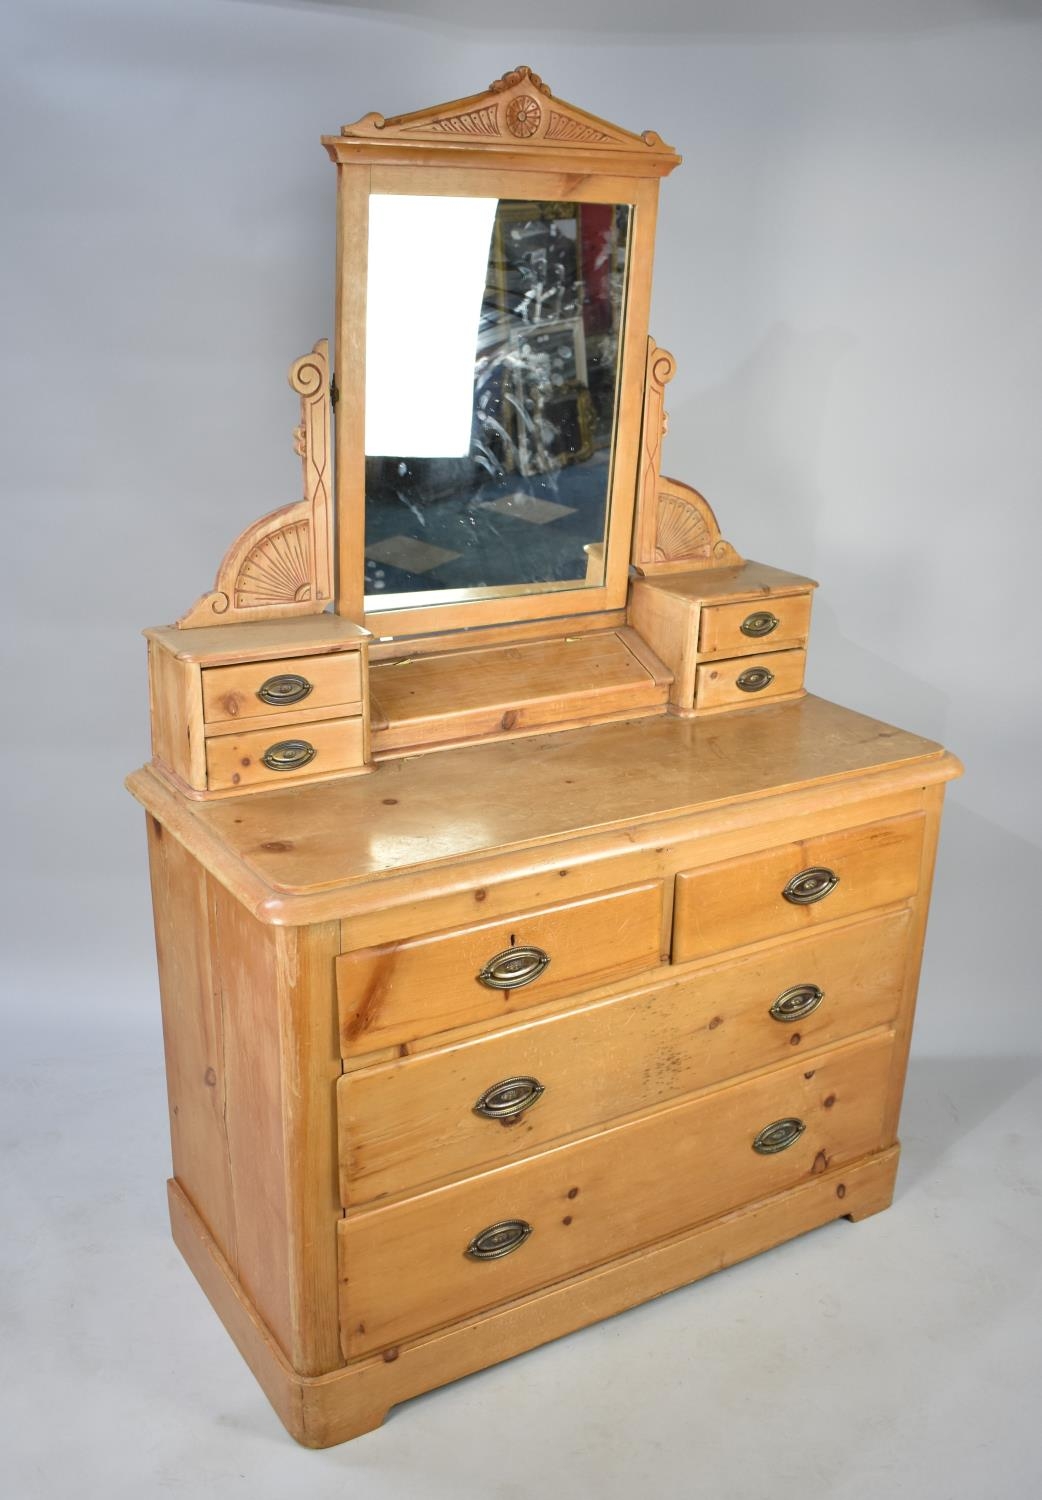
x: 493, y: 333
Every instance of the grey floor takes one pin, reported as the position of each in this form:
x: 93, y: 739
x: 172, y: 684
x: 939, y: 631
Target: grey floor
x: 900, y: 1356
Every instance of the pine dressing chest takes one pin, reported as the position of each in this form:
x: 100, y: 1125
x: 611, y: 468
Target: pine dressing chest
x: 530, y: 942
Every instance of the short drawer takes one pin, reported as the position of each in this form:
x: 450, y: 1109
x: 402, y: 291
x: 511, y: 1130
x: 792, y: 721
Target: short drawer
x: 427, y: 1261
x: 256, y: 689
x: 749, y: 679
x: 462, y: 1108
x: 256, y: 757
x: 796, y: 886
x: 771, y: 625
x: 425, y: 985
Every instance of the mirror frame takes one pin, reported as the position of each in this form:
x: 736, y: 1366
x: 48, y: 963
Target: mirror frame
x: 514, y: 141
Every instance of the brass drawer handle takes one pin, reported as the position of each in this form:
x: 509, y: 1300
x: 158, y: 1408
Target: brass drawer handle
x: 288, y: 687
x: 499, y: 1240
x: 289, y: 755
x: 811, y: 885
x: 761, y: 623
x: 778, y: 1136
x: 754, y: 679
x: 509, y: 1099
x: 514, y: 967
x: 795, y: 1003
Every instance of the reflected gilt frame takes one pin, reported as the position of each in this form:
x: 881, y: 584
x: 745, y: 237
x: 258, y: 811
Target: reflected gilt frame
x: 517, y: 141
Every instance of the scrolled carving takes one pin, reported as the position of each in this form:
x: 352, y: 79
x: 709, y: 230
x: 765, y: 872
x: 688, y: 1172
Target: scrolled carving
x: 675, y: 526
x: 283, y: 563
x: 512, y: 112
x: 519, y: 75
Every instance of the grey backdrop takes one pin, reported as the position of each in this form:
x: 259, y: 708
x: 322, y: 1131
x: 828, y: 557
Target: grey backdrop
x: 848, y: 271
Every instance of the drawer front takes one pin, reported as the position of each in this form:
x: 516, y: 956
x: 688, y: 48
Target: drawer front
x: 258, y: 689
x: 238, y: 760
x: 406, y: 1266
x: 749, y: 679
x: 401, y: 991
x: 767, y: 625
x: 744, y: 900
x: 496, y: 1098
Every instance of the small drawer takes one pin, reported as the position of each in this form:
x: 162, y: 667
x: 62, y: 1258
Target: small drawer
x: 274, y: 757
x: 754, y: 626
x: 461, y: 1109
x: 427, y: 1261
x: 749, y: 679
x: 256, y: 689
x: 796, y: 886
x: 426, y: 985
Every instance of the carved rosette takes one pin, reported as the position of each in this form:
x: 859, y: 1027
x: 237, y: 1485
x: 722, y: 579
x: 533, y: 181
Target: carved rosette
x: 675, y: 527
x: 513, y: 111
x: 283, y: 563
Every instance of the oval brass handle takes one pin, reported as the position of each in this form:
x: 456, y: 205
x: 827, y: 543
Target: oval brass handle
x: 288, y: 755
x: 779, y: 1135
x: 754, y: 679
x: 498, y: 1240
x: 288, y: 687
x: 795, y: 1003
x: 761, y: 623
x: 811, y: 885
x: 514, y: 967
x: 509, y: 1098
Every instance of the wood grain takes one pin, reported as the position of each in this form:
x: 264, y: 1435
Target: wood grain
x: 717, y: 682
x: 720, y: 626
x: 231, y: 694
x: 400, y: 991
x: 499, y: 690
x: 410, y: 1121
x: 403, y: 1267
x: 234, y: 760
x: 725, y: 905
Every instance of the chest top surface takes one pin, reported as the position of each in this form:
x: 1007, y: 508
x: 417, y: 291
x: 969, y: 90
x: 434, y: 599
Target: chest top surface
x: 501, y: 798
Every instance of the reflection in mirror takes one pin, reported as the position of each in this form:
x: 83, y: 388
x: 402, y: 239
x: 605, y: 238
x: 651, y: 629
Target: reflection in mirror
x: 492, y: 359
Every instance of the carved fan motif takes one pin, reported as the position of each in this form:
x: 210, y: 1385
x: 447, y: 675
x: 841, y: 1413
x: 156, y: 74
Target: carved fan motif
x: 513, y: 112
x: 561, y: 128
x: 474, y: 122
x: 278, y: 570
x: 675, y: 527
x: 680, y: 530
x: 283, y: 563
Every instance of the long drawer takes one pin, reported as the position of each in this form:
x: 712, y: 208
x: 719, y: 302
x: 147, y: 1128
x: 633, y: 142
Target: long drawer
x: 462, y: 1108
x: 430, y: 1260
x: 426, y: 985
x: 796, y: 886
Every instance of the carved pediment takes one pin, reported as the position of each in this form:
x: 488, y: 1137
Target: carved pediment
x: 516, y: 111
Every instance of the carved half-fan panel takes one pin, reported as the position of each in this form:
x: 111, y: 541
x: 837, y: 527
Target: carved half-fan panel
x: 675, y: 527
x: 681, y: 530
x: 278, y: 570
x: 283, y: 563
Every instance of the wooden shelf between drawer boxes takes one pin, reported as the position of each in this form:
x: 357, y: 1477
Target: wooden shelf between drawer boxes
x: 743, y: 900
x: 405, y: 1266
x: 749, y: 679
x: 412, y: 1121
x: 401, y: 991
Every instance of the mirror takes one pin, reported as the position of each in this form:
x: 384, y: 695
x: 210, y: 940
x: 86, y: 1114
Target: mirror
x: 493, y: 351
